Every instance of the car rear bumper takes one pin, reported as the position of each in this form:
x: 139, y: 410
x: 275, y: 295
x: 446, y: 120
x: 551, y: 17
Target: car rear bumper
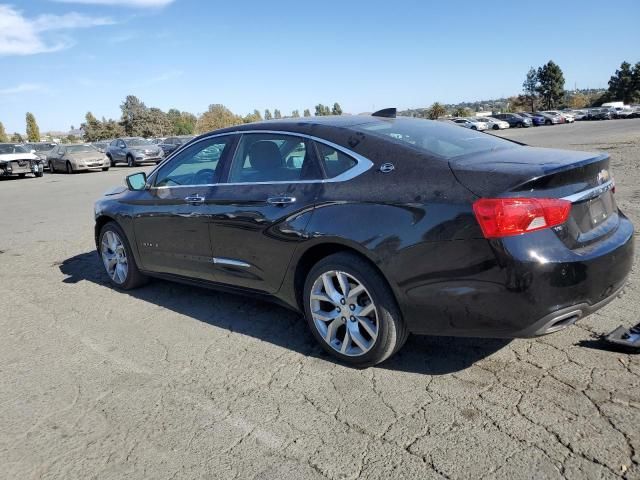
x: 519, y: 286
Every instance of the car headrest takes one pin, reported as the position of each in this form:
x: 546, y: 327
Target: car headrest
x: 264, y: 155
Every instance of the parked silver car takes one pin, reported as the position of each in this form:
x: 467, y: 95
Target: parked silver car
x: 469, y: 123
x: 133, y: 151
x: 73, y: 158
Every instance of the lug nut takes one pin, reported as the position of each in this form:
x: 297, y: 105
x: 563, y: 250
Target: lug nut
x: 342, y: 301
x: 344, y: 319
x: 352, y: 307
x: 353, y: 319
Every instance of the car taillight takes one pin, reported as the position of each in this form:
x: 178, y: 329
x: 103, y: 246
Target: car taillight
x: 503, y: 217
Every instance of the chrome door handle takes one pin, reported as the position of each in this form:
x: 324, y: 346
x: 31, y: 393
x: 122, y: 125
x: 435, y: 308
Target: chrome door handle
x: 194, y: 199
x: 281, y: 200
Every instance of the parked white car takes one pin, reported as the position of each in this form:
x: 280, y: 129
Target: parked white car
x: 492, y: 123
x: 468, y: 123
x: 17, y: 160
x: 568, y: 117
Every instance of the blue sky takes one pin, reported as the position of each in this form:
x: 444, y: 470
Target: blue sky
x: 62, y: 58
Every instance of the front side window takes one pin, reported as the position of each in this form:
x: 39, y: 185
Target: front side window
x: 335, y: 162
x: 263, y: 157
x: 199, y: 164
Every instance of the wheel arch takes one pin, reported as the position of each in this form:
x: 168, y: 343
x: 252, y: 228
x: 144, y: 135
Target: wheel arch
x: 316, y: 252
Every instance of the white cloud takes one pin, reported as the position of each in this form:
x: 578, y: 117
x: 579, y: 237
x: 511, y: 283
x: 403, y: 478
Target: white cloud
x: 22, y: 88
x: 20, y: 35
x: 123, y: 3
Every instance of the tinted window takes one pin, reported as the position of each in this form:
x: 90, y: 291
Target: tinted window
x: 273, y: 158
x: 197, y: 165
x: 435, y: 138
x: 335, y: 162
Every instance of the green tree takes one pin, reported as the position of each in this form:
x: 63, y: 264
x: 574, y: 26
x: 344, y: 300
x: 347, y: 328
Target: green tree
x: 134, y: 116
x: 306, y: 113
x: 217, y: 116
x: 277, y: 114
x: 17, y: 138
x: 462, y: 112
x: 92, y: 128
x: 530, y: 88
x: 550, y: 84
x: 295, y: 114
x: 625, y: 83
x: 3, y: 134
x: 252, y: 117
x: 436, y: 111
x: 337, y: 109
x: 111, y: 129
x: 33, y: 132
x: 267, y: 114
x: 322, y: 110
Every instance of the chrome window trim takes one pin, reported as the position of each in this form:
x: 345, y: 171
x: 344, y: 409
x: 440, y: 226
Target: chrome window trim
x: 591, y: 193
x: 362, y: 163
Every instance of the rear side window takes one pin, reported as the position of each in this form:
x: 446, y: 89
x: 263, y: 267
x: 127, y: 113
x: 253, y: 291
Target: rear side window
x: 335, y: 162
x: 435, y: 138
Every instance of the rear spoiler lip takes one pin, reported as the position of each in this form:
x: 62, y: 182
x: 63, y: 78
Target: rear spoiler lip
x: 551, y: 171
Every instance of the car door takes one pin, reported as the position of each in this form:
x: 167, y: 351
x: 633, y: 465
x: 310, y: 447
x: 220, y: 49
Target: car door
x: 172, y: 216
x: 263, y: 208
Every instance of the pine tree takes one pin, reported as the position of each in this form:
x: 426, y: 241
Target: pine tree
x: 625, y: 83
x: 306, y: 113
x: 33, y: 132
x: 295, y: 114
x: 337, y: 109
x: 267, y: 114
x: 550, y: 84
x: 277, y: 114
x: 529, y: 86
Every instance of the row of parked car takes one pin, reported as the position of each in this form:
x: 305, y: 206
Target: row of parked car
x: 499, y: 121
x: 33, y: 158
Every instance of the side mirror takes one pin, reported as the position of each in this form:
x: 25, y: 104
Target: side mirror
x: 33, y: 151
x: 137, y: 181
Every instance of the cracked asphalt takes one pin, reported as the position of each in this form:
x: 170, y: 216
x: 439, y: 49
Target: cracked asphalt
x: 171, y: 381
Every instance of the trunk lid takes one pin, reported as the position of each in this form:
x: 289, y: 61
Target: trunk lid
x: 580, y: 177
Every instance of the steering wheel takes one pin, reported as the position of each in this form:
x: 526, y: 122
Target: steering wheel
x: 204, y: 177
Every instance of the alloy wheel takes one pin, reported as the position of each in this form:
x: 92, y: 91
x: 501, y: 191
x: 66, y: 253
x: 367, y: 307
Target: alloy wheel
x: 114, y: 257
x: 344, y: 313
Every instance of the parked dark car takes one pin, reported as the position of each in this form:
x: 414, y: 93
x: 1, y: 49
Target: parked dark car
x: 16, y: 160
x: 133, y: 151
x: 514, y: 120
x: 101, y: 146
x: 536, y: 120
x: 603, y: 113
x: 374, y: 227
x: 171, y: 144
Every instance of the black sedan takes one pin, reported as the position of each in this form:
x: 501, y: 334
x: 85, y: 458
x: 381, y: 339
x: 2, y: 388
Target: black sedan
x: 171, y: 144
x: 374, y: 227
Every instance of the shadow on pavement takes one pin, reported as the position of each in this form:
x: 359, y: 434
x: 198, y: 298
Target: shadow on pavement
x: 256, y: 318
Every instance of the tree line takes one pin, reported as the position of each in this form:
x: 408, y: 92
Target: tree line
x: 543, y: 87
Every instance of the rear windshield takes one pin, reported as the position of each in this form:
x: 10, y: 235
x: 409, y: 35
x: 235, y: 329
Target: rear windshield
x: 436, y: 138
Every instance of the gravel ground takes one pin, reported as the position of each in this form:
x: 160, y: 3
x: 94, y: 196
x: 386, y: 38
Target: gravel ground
x: 171, y: 381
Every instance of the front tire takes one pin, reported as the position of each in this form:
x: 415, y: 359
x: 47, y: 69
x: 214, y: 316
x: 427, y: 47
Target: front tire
x: 495, y: 127
x: 130, y: 161
x: 111, y: 160
x: 69, y: 168
x: 51, y: 169
x: 352, y: 312
x: 105, y: 169
x: 117, y: 258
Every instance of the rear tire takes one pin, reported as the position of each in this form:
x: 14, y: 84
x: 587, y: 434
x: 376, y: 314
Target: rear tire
x: 495, y: 127
x: 22, y: 175
x: 114, y: 245
x: 383, y: 319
